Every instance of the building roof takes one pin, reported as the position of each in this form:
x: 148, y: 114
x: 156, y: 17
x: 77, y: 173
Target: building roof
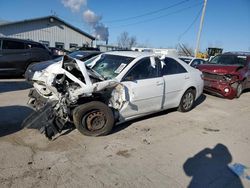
x: 50, y: 17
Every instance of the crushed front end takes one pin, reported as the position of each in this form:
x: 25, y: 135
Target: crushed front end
x: 59, y: 88
x: 224, y: 85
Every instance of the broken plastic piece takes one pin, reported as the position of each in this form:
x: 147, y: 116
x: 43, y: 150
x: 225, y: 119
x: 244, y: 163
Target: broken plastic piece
x: 240, y: 170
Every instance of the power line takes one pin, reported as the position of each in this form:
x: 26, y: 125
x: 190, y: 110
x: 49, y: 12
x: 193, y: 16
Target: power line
x: 189, y: 27
x: 155, y: 18
x: 148, y: 13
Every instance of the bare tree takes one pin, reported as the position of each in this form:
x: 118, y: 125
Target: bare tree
x: 185, y: 49
x: 125, y: 41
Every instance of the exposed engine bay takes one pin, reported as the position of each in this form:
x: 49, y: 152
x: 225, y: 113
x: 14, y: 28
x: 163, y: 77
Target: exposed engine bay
x: 62, y: 86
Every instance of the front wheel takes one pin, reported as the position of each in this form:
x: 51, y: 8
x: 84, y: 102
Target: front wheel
x: 187, y: 101
x: 93, y: 119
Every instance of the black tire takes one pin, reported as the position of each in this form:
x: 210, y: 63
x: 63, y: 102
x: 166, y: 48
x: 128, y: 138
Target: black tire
x: 185, y: 105
x: 239, y: 90
x: 93, y: 119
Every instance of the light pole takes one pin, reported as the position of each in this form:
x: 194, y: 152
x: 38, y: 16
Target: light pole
x: 200, y: 28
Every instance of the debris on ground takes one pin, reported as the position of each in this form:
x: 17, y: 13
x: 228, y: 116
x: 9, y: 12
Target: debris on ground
x: 145, y: 141
x: 123, y: 153
x: 211, y: 130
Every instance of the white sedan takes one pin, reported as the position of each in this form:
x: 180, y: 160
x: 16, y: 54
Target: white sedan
x: 109, y: 89
x: 192, y: 61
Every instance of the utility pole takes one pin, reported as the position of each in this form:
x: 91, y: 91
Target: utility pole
x: 200, y: 28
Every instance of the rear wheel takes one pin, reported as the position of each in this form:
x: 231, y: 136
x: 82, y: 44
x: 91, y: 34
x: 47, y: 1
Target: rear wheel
x: 93, y: 119
x: 239, y: 90
x: 187, y: 101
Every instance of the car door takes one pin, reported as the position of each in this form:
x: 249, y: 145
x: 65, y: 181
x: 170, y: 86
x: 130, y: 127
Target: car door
x: 144, y: 88
x: 14, y: 56
x: 175, y: 77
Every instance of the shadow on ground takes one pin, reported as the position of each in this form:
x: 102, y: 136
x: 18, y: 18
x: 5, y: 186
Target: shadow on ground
x: 122, y: 126
x: 11, y: 118
x: 200, y: 100
x: 7, y: 86
x: 209, y: 168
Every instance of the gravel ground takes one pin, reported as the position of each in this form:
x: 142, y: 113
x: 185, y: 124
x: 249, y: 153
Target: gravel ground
x: 167, y: 149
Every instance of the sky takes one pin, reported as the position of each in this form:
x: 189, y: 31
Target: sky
x: 155, y: 23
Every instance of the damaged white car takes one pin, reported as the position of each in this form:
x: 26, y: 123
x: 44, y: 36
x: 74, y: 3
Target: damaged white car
x: 108, y: 89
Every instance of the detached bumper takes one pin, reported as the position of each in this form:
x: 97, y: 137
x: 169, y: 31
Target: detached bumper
x: 221, y: 88
x: 47, y: 116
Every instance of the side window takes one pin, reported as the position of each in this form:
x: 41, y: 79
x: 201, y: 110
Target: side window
x: 143, y: 70
x: 172, y: 67
x: 35, y: 45
x: 9, y: 44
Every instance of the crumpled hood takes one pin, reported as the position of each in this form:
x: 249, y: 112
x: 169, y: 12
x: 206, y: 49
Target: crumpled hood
x: 43, y: 76
x: 44, y: 64
x: 218, y: 69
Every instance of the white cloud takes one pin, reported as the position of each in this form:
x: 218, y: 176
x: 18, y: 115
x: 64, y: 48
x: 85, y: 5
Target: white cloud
x: 100, y: 30
x: 91, y: 18
x: 74, y: 5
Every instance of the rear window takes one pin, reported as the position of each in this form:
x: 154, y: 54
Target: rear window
x: 9, y: 44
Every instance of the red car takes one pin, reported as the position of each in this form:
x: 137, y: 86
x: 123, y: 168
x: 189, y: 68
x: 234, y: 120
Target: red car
x: 227, y: 74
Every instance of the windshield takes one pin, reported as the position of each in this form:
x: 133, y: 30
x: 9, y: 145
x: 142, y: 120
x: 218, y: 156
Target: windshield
x: 109, y: 66
x: 229, y: 60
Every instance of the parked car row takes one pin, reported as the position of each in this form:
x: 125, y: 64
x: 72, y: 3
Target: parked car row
x: 94, y: 90
x: 17, y: 54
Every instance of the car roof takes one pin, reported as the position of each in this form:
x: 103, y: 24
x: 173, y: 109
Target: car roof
x: 237, y: 53
x: 186, y: 57
x: 87, y: 51
x: 133, y: 54
x: 17, y: 39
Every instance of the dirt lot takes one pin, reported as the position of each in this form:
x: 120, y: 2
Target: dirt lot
x: 169, y: 149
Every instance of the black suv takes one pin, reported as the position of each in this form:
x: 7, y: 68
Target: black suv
x: 17, y: 54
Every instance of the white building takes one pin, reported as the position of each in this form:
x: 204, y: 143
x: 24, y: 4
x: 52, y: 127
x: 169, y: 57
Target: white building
x: 51, y: 31
x: 158, y: 51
